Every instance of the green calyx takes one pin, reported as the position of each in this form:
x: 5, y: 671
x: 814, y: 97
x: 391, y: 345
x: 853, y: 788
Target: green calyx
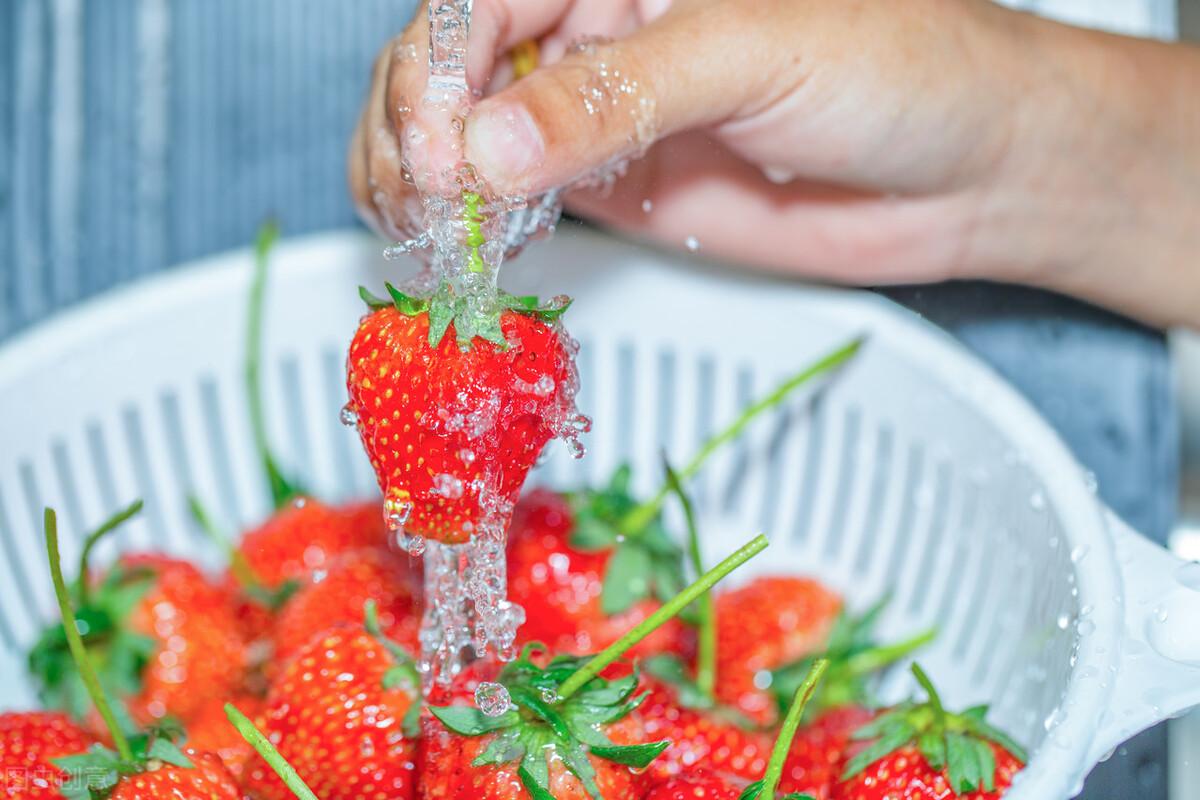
x: 402, y: 673
x: 959, y: 743
x: 671, y: 671
x: 855, y: 658
x: 649, y: 565
x: 272, y: 598
x: 470, y: 319
x: 94, y: 774
x: 540, y: 722
x: 99, y: 613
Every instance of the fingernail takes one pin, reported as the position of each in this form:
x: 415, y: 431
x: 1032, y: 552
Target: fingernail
x: 504, y: 144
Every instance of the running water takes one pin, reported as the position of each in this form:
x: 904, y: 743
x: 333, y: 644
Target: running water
x: 466, y: 607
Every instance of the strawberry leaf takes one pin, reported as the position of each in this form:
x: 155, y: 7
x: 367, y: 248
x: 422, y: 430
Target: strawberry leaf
x: 538, y: 791
x: 406, y: 305
x: 166, y: 750
x: 631, y: 755
x: 374, y: 303
x: 627, y: 581
x: 470, y: 721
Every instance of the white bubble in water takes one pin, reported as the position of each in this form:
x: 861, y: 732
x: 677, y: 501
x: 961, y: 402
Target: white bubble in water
x: 691, y: 243
x: 647, y: 206
x: 396, y: 513
x: 1037, y: 501
x: 1063, y: 621
x: 447, y: 486
x: 492, y: 699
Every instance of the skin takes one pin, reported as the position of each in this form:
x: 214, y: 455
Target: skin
x: 862, y: 141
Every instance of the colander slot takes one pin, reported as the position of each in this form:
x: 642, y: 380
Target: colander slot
x: 69, y: 508
x: 297, y: 457
x: 665, y: 411
x: 984, y: 556
x: 996, y: 622
x: 877, y: 499
x: 898, y: 559
x: 14, y: 590
x: 179, y: 465
x: 843, y: 491
x: 957, y: 568
x: 626, y: 423
x: 101, y: 469
x: 143, y: 475
x: 216, y: 437
x: 706, y: 372
x: 933, y: 540
x: 782, y: 425
x: 19, y: 566
x: 739, y: 455
x: 811, y: 473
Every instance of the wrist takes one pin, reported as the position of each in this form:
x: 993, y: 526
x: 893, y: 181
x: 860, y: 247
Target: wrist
x: 1098, y: 192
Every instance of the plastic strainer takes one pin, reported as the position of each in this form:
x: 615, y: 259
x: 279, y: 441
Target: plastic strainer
x: 917, y: 471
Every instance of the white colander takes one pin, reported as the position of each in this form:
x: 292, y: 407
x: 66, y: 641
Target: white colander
x: 917, y: 471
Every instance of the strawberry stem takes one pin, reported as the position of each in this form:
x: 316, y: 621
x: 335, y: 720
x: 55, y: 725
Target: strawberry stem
x: 706, y: 646
x: 87, y: 671
x: 791, y: 723
x: 473, y: 222
x: 281, y: 489
x: 608, y: 655
x: 877, y: 658
x: 641, y: 516
x: 262, y: 745
x: 238, y: 565
x: 82, y: 588
x: 935, y: 701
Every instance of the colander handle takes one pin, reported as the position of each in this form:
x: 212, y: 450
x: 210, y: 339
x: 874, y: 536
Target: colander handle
x: 1159, y: 665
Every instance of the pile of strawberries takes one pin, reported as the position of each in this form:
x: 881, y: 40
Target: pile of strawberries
x: 312, y: 634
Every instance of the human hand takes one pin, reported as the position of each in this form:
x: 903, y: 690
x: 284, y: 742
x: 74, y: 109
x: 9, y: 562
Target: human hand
x: 863, y: 141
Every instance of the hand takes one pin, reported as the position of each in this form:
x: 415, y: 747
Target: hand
x: 862, y: 141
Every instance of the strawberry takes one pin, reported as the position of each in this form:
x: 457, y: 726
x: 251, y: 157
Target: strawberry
x: 700, y: 732
x: 148, y: 765
x: 305, y: 535
x: 164, y: 636
x: 581, y: 746
x: 209, y: 730
x: 453, y: 423
x: 766, y: 624
x: 344, y: 712
x: 920, y: 750
x: 698, y: 784
x: 567, y: 729
x: 338, y: 595
x: 818, y: 754
x: 578, y: 599
x: 29, y: 742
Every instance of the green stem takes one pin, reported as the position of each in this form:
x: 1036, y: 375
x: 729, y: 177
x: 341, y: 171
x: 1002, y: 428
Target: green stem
x: 473, y: 222
x: 927, y: 685
x: 642, y: 515
x: 877, y: 658
x: 82, y: 587
x: 87, y: 672
x: 787, y: 732
x: 286, y: 772
x: 238, y: 565
x: 669, y: 609
x: 706, y: 645
x: 281, y: 491
x: 404, y: 662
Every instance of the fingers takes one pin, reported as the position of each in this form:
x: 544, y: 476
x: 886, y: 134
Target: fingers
x: 608, y: 101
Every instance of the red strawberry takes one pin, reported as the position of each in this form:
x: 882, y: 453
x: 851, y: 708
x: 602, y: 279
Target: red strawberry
x: 765, y: 624
x: 921, y: 751
x: 699, y: 735
x: 698, y: 784
x: 342, y: 711
x: 209, y: 730
x: 579, y: 748
x: 164, y: 638
x: 561, y: 586
x: 339, y: 594
x: 206, y: 779
x: 29, y: 741
x: 454, y: 412
x: 818, y: 753
x: 306, y: 535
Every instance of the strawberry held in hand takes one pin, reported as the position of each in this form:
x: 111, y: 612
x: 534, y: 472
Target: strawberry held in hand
x: 455, y: 398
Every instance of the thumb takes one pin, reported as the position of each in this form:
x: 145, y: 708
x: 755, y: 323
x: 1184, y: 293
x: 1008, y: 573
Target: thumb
x: 608, y: 101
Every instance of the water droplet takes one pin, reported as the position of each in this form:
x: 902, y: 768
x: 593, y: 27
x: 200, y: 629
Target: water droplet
x: 549, y: 695
x: 647, y: 206
x: 492, y: 699
x: 1090, y: 482
x: 1054, y: 719
x: 1189, y: 575
x: 1037, y: 501
x: 544, y: 386
x: 691, y: 243
x: 576, y: 448
x: 396, y: 512
x: 1160, y: 613
x: 1085, y: 627
x: 1063, y: 621
x: 348, y: 415
x: 1078, y: 553
x: 466, y: 455
x: 414, y: 544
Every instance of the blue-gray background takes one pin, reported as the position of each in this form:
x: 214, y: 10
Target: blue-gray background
x: 136, y: 134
